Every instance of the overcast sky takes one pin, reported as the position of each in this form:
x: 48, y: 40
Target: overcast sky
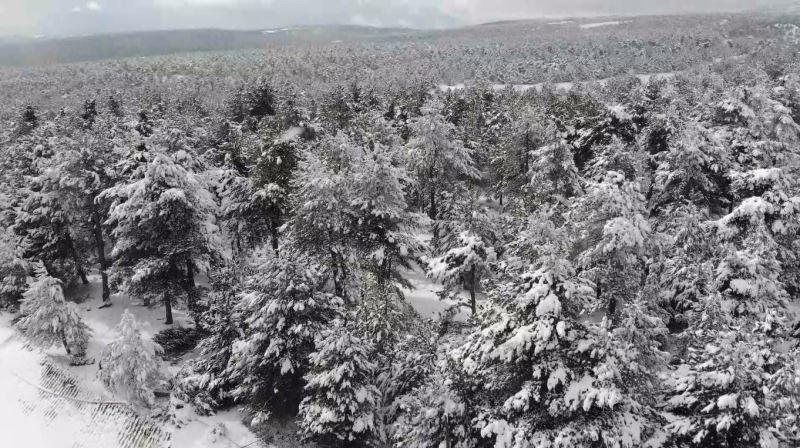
x: 71, y: 17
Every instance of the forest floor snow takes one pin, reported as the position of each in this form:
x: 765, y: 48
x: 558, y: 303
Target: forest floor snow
x: 36, y: 418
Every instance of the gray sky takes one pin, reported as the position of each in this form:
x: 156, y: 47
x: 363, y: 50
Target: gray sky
x: 72, y: 17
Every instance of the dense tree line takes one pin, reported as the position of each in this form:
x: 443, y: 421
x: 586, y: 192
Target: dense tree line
x: 626, y: 253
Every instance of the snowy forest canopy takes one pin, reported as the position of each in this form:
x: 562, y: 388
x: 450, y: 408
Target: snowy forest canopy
x: 620, y: 252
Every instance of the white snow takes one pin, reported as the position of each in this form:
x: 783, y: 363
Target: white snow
x: 423, y: 298
x: 56, y: 422
x: 587, y: 26
x: 645, y: 78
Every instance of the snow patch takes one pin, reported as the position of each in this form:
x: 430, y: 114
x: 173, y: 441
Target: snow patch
x: 587, y: 26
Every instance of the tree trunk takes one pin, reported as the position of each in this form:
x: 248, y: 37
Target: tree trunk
x: 77, y: 260
x: 190, y: 274
x: 101, y: 255
x: 168, y: 309
x: 273, y: 230
x: 190, y: 286
x: 82, y: 274
x: 447, y: 432
x: 173, y: 275
x: 66, y: 345
x: 337, y: 288
x: 432, y: 212
x: 472, y: 282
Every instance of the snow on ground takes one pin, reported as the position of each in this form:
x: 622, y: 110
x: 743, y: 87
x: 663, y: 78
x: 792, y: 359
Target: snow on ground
x: 423, y: 298
x: 587, y: 26
x: 20, y: 427
x: 424, y: 295
x: 36, y: 419
x: 559, y: 86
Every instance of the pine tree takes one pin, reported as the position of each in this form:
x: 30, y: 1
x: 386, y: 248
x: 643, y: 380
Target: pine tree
x: 260, y: 100
x: 434, y: 413
x: 272, y: 181
x: 736, y: 389
x: 204, y: 381
x: 130, y: 364
x: 383, y: 224
x: 86, y: 167
x: 48, y: 319
x: 284, y: 308
x: 553, y: 174
x: 44, y: 225
x: 13, y: 274
x: 340, y: 398
x: 466, y: 264
x: 543, y: 377
x: 511, y: 160
x: 614, y: 234
x: 321, y: 222
x: 163, y: 222
x: 434, y: 157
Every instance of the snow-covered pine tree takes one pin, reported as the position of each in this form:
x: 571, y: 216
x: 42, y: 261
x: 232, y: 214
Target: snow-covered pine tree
x: 434, y: 414
x: 465, y: 264
x: 203, y: 382
x: 510, y: 161
x: 383, y: 224
x: 86, y: 166
x: 283, y: 307
x: 433, y: 156
x: 426, y: 396
x: 553, y: 174
x: 737, y: 389
x: 272, y: 179
x: 340, y: 396
x: 130, y: 364
x: 43, y: 222
x: 48, y: 319
x: 13, y: 273
x: 614, y: 233
x: 542, y: 377
x: 692, y: 169
x: 230, y: 160
x: 322, y: 222
x: 163, y: 222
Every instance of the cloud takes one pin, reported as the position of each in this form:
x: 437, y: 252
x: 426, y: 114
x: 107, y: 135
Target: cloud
x: 59, y: 17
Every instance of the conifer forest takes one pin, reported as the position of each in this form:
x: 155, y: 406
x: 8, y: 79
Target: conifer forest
x: 520, y: 234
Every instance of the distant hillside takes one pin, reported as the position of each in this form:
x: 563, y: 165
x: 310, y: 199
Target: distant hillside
x: 43, y: 51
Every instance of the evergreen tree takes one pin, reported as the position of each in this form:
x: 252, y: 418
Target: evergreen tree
x: 736, y: 389
x: 434, y: 157
x: 163, y: 222
x: 130, y: 364
x: 48, y: 319
x: 13, y: 274
x: 284, y: 308
x: 272, y: 180
x: 511, y: 160
x: 44, y: 225
x: 465, y: 264
x: 382, y: 223
x: 321, y: 221
x: 86, y: 167
x: 542, y: 377
x: 340, y: 398
x: 204, y: 382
